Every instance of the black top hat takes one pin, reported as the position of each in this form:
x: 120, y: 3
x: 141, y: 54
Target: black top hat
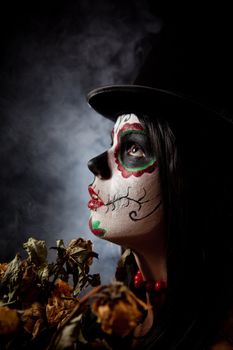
x: 185, y: 74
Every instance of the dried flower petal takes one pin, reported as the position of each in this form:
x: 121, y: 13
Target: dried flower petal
x: 9, y: 320
x: 58, y: 308
x: 62, y: 288
x: 33, y: 319
x: 118, y: 310
x: 3, y: 268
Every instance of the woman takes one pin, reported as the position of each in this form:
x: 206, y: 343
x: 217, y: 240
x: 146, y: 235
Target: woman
x: 164, y: 190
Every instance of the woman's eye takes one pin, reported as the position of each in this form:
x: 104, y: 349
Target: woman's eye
x: 135, y: 151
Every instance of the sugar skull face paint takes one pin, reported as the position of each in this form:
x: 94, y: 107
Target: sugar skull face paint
x: 127, y: 203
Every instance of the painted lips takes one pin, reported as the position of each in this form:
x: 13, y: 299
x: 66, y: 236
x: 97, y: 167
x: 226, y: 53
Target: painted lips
x: 95, y: 201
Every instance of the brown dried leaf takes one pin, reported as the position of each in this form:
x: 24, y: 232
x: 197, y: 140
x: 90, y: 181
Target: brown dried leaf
x: 43, y: 273
x: 11, y: 279
x: 37, y: 251
x: 9, y: 320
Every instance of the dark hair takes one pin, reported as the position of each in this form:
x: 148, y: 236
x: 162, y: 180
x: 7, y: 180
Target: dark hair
x: 194, y: 158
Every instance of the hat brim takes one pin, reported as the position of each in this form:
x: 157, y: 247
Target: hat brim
x: 114, y: 100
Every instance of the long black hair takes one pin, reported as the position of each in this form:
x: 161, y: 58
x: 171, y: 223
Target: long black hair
x: 194, y: 156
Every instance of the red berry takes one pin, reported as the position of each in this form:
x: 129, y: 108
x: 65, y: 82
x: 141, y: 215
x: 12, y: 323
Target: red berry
x: 160, y: 285
x: 138, y: 279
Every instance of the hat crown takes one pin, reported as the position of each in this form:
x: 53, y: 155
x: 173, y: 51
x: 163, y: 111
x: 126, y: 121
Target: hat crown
x: 189, y: 70
x: 192, y: 60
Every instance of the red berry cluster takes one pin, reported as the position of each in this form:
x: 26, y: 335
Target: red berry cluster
x: 157, y: 286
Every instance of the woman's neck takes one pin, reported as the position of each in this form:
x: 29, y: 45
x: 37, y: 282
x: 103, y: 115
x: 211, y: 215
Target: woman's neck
x: 152, y: 266
x: 150, y: 255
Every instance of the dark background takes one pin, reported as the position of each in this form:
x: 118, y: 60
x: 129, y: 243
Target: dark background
x: 52, y: 54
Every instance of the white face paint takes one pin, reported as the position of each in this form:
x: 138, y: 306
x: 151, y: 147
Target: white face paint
x: 127, y: 205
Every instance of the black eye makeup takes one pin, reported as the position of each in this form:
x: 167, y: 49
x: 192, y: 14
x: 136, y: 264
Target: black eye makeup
x: 135, y: 150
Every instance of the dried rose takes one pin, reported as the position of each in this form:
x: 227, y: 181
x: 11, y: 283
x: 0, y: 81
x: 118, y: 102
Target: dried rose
x: 33, y: 319
x: 80, y: 250
x: 80, y: 242
x: 58, y: 307
x: 118, y: 310
x: 9, y: 320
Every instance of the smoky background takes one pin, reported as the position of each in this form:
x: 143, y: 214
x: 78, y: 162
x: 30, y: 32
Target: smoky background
x: 52, y: 54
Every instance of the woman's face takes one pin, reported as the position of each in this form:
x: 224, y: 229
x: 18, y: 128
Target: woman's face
x: 126, y: 194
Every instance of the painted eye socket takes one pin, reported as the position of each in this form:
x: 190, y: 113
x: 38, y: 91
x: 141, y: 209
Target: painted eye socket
x: 136, y: 151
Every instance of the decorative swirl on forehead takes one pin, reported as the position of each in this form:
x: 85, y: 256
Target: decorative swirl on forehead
x: 122, y: 119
